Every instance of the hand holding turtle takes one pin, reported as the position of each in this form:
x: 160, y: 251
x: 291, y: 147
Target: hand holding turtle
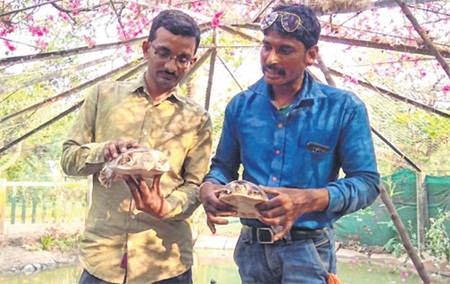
x: 147, y: 199
x: 214, y: 208
x: 113, y: 149
x: 288, y: 204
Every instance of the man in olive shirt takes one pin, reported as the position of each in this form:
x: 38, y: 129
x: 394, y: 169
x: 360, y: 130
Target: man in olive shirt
x: 136, y: 231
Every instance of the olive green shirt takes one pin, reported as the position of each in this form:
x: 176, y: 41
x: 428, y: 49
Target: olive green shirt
x: 156, y: 248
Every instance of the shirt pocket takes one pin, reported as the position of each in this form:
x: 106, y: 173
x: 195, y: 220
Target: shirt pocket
x: 315, y: 159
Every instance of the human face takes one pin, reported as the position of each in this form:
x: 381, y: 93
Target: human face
x: 284, y: 60
x: 164, y: 55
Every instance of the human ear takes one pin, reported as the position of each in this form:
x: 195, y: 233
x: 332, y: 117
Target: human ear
x: 193, y: 60
x: 145, y: 48
x: 311, y: 55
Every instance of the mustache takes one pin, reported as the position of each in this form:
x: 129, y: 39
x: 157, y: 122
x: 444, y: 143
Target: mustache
x: 273, y: 68
x: 167, y: 72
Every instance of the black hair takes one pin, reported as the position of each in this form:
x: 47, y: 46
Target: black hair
x: 309, y: 35
x: 178, y: 23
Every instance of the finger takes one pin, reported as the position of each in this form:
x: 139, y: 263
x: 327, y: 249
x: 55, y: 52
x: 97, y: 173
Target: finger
x: 217, y: 207
x: 273, y: 212
x: 134, y: 189
x: 155, y: 185
x: 211, y: 226
x: 132, y: 144
x: 286, y: 228
x: 122, y: 146
x: 107, y: 154
x: 216, y: 220
x: 143, y: 189
x: 280, y: 235
x: 278, y: 221
x: 226, y: 214
x: 269, y: 190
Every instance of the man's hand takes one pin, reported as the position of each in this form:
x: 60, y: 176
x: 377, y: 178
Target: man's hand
x: 149, y: 200
x: 209, y: 195
x: 113, y: 149
x: 288, y: 204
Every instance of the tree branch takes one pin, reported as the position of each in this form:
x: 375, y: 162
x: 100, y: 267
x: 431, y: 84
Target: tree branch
x: 59, y: 73
x: 394, y: 95
x: 69, y: 92
x: 424, y: 36
x: 28, y: 8
x: 62, y: 53
x: 404, y: 235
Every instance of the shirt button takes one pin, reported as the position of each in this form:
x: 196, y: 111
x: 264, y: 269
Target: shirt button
x: 277, y: 152
x: 274, y: 179
x: 133, y: 216
x: 280, y: 125
x: 145, y: 133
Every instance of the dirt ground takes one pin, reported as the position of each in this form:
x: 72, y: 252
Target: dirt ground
x: 20, y: 247
x: 21, y: 250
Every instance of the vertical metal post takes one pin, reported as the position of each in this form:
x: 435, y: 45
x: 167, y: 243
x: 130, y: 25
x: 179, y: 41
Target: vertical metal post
x: 422, y: 210
x: 44, y: 204
x: 34, y: 204
x: 2, y: 205
x: 13, y: 205
x: 24, y: 205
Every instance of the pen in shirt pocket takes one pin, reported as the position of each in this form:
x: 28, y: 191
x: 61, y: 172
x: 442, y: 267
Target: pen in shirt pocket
x: 317, y: 148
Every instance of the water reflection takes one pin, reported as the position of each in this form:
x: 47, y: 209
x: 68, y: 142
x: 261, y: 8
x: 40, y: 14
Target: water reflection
x: 217, y: 266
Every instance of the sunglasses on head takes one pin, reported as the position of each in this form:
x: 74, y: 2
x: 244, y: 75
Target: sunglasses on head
x: 289, y: 21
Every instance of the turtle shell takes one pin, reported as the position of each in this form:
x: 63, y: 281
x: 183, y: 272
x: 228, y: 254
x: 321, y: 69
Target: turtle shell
x: 243, y: 195
x: 143, y: 161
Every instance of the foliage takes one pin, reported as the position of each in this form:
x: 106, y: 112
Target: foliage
x: 437, y: 238
x: 53, y: 239
x: 395, y: 244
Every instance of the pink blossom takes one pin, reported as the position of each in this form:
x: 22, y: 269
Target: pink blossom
x: 9, y: 45
x: 446, y: 88
x: 134, y: 8
x: 90, y: 42
x: 38, y: 30
x: 41, y: 44
x: 128, y: 49
x: 215, y: 22
x: 74, y: 4
x: 197, y: 6
x: 104, y: 9
x: 351, y: 80
x: 63, y: 16
x: 4, y: 30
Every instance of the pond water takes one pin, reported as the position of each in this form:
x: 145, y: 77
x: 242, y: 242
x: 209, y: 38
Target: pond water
x: 218, y: 265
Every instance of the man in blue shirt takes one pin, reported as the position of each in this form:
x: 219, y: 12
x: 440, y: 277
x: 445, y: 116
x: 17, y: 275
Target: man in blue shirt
x: 292, y: 136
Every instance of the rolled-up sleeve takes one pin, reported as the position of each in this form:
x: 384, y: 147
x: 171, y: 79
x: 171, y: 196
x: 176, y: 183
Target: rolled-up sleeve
x: 81, y: 156
x: 360, y: 187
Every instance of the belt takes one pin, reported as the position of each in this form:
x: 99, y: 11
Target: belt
x: 264, y: 235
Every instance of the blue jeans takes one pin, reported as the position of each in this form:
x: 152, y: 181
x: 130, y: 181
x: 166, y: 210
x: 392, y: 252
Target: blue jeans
x: 185, y: 278
x: 305, y: 261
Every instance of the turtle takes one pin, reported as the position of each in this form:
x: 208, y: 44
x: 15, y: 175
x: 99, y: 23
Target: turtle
x: 142, y: 161
x: 243, y: 195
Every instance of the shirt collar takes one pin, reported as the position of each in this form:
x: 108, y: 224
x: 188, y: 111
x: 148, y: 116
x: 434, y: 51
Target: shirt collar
x: 309, y: 90
x: 138, y: 84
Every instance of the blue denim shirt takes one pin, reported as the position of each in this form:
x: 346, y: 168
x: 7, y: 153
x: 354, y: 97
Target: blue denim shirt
x: 324, y: 130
